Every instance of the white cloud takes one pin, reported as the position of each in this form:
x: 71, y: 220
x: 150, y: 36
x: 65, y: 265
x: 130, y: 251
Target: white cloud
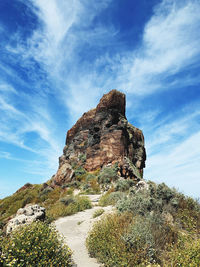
x: 170, y: 45
x: 178, y: 167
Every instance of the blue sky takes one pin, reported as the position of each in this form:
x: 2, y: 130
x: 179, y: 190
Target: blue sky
x: 57, y: 58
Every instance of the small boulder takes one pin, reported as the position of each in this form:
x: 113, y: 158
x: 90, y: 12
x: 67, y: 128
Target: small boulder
x: 142, y: 185
x: 26, y: 215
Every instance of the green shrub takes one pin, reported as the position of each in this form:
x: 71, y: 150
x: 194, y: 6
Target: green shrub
x: 140, y: 239
x: 82, y: 158
x: 59, y: 209
x: 148, y: 236
x: 79, y: 171
x: 37, y: 244
x: 98, y: 212
x: 158, y: 198
x: 123, y: 184
x: 67, y: 200
x: 90, y: 177
x: 104, y: 200
x: 138, y: 204
x: 108, y: 175
x: 91, y: 187
x: 104, y: 241
x: 188, y: 214
x: 72, y: 184
x: 158, y: 216
x: 111, y: 198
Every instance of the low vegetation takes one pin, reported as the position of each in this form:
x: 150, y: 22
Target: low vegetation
x: 68, y: 206
x: 155, y: 227
x: 37, y: 244
x: 152, y: 227
x: 58, y: 202
x: 98, y: 213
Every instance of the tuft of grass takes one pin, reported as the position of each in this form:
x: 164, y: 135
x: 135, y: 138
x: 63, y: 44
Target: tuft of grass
x: 111, y: 198
x: 98, y: 213
x: 66, y: 207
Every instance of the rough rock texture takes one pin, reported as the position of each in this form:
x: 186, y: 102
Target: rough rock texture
x: 26, y: 215
x: 103, y: 136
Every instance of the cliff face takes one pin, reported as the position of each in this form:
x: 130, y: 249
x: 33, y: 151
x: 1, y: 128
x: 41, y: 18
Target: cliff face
x: 103, y: 136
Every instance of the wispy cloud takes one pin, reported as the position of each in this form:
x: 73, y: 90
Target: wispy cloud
x: 69, y: 57
x: 169, y: 46
x: 178, y: 167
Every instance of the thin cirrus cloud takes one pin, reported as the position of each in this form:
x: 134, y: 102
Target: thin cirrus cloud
x: 170, y: 45
x: 70, y: 59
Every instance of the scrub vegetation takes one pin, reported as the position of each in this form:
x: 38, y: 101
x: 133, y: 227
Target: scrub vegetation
x: 37, y: 244
x: 154, y: 227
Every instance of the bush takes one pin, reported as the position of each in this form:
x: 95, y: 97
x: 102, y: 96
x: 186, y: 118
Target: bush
x: 82, y: 158
x: 108, y: 175
x: 123, y: 184
x: 104, y: 200
x: 91, y: 187
x: 73, y: 184
x: 149, y: 236
x: 104, y: 241
x: 37, y: 244
x: 67, y: 200
x: 79, y: 171
x: 111, y: 198
x: 157, y: 198
x: 98, y: 212
x: 90, y: 177
x: 59, y: 209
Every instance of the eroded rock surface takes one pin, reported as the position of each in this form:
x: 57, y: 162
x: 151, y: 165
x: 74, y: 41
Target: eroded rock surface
x: 100, y: 137
x: 26, y: 215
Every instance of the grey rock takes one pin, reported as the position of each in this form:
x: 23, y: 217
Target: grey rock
x: 26, y: 215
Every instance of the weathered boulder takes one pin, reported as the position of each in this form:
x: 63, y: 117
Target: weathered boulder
x: 103, y: 136
x: 142, y: 185
x: 26, y: 215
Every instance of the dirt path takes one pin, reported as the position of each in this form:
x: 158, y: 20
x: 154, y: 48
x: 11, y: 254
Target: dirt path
x: 75, y: 229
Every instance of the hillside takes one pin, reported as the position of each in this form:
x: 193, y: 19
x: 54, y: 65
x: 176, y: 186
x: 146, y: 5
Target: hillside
x: 104, y: 154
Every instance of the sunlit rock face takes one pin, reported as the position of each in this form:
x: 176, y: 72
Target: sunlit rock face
x: 103, y: 136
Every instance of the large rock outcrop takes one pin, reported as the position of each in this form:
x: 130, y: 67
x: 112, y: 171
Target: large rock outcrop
x: 100, y: 137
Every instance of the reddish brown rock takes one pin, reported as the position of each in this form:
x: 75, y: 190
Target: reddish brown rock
x: 24, y: 187
x: 103, y: 136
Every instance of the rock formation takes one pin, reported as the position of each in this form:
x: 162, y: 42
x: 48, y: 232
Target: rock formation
x: 100, y: 137
x: 26, y: 215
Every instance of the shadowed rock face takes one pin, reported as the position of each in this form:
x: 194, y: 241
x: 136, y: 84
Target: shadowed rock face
x: 103, y: 136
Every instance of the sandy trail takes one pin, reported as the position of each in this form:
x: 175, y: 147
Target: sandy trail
x: 75, y: 229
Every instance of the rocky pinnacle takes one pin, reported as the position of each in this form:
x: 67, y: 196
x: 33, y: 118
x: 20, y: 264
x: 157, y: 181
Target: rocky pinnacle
x: 103, y: 136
